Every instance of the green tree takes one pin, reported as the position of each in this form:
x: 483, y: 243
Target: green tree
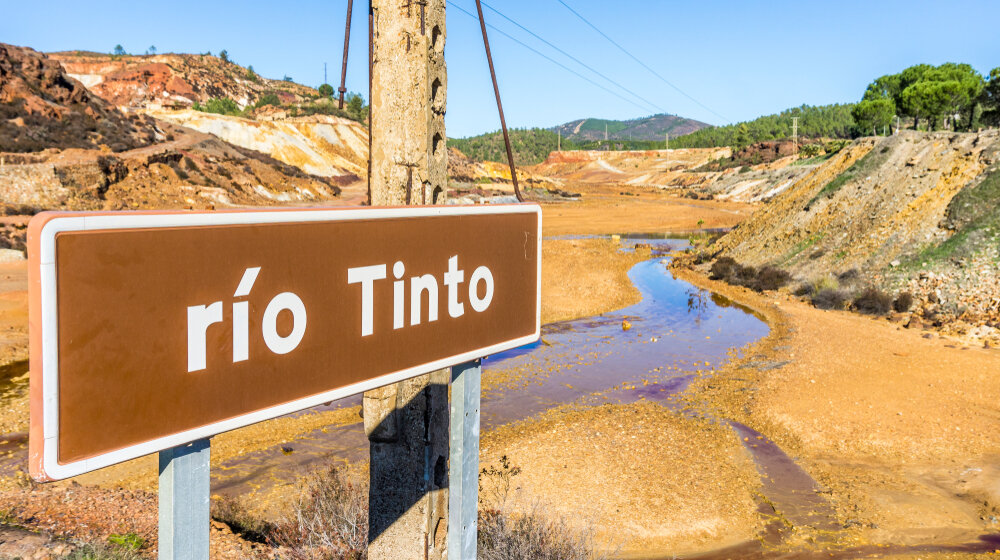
x: 964, y: 90
x: 224, y: 55
x: 932, y: 100
x: 741, y: 139
x: 222, y: 106
x: 990, y: 98
x: 119, y: 50
x: 355, y: 106
x: 326, y: 90
x: 268, y: 99
x: 287, y: 78
x: 873, y: 115
x: 892, y: 86
x: 151, y: 49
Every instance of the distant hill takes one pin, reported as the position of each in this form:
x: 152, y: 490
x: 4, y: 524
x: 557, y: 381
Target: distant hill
x: 647, y: 128
x: 533, y: 145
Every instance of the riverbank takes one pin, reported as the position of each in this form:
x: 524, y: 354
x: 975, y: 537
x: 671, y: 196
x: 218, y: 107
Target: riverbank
x: 898, y: 427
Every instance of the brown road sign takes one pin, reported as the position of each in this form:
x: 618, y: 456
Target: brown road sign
x: 150, y: 330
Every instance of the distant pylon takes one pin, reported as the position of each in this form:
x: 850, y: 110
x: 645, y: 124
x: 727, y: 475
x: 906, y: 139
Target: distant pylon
x: 795, y: 133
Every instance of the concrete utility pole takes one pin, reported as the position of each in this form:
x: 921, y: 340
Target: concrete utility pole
x: 666, y: 144
x: 559, y: 141
x: 407, y: 423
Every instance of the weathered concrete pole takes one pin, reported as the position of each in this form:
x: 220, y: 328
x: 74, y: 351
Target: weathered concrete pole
x: 407, y: 423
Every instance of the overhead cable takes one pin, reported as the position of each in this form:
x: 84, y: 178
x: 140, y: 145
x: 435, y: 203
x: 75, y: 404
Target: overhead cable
x: 546, y: 57
x: 641, y: 63
x: 573, y: 58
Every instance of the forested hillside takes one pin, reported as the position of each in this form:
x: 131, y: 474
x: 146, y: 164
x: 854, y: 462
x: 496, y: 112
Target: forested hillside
x: 529, y: 145
x: 923, y: 97
x: 827, y: 121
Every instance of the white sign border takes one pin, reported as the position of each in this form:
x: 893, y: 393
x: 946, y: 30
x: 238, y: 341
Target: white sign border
x: 52, y: 469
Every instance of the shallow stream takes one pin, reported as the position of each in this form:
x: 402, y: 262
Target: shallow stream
x: 675, y: 331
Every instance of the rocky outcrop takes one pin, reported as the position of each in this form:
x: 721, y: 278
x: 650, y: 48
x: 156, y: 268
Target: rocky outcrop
x: 173, y: 80
x: 41, y: 107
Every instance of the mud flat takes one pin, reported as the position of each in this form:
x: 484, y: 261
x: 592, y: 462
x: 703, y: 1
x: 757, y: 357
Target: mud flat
x: 897, y: 427
x: 603, y: 209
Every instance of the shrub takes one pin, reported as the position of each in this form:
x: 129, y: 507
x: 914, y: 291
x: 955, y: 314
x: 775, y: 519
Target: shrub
x: 903, y: 303
x: 222, y: 106
x: 810, y: 150
x: 805, y: 289
x: 268, y: 99
x: 771, y: 278
x: 829, y: 298
x: 722, y: 268
x: 873, y: 301
x: 765, y: 278
x: 834, y: 146
x: 848, y: 276
x: 531, y: 536
x: 105, y: 551
x: 330, y: 519
x: 825, y: 283
x: 234, y: 512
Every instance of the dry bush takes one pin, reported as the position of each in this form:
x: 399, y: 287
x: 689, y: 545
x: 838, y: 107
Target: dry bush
x: 234, y: 512
x: 848, y: 276
x: 903, y: 303
x: 873, y: 301
x: 99, y: 550
x: 806, y: 289
x: 722, y: 268
x: 771, y: 278
x: 532, y: 537
x: 329, y: 520
x: 829, y: 298
x: 759, y: 280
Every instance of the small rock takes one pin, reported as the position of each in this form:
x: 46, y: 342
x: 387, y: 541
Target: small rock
x: 11, y: 255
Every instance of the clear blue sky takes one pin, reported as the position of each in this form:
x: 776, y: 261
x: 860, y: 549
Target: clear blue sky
x: 740, y: 58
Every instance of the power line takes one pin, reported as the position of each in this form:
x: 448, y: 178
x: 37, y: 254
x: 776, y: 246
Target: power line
x: 575, y: 59
x: 550, y: 59
x: 641, y: 63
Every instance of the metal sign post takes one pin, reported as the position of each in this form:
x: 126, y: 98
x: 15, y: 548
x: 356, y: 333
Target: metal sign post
x: 463, y: 468
x: 184, y: 501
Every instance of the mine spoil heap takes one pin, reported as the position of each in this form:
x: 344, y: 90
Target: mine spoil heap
x: 41, y: 107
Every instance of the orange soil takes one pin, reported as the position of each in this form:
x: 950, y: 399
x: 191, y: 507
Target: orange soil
x: 602, y: 209
x: 899, y: 425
